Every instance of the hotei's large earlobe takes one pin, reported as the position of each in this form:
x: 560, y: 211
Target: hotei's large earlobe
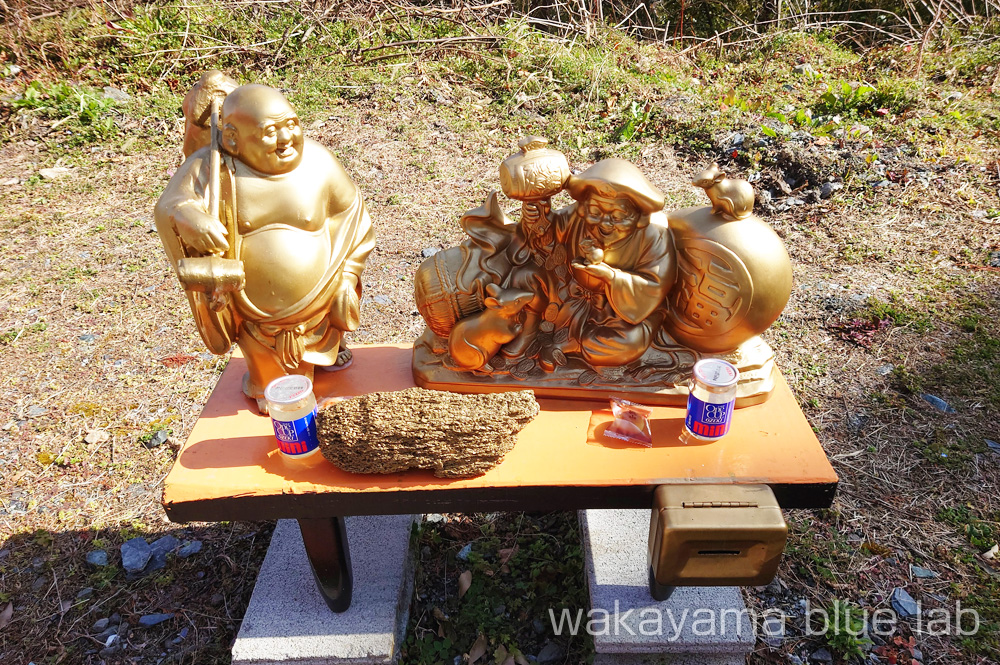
x: 229, y: 139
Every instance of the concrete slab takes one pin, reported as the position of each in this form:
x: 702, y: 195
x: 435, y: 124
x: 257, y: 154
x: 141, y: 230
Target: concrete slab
x: 288, y: 621
x: 695, y: 621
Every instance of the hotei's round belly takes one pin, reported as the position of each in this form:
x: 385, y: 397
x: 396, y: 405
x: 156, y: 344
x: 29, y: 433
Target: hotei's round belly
x: 283, y: 264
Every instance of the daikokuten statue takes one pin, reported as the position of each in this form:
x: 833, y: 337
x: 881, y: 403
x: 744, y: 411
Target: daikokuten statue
x: 268, y: 236
x: 608, y: 295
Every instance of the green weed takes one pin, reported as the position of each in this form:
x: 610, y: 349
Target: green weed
x: 520, y: 568
x: 898, y: 313
x: 981, y: 533
x: 843, y: 629
x: 84, y: 111
x: 636, y: 121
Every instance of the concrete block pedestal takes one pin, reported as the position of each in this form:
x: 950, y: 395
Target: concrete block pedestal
x: 288, y: 621
x: 696, y: 626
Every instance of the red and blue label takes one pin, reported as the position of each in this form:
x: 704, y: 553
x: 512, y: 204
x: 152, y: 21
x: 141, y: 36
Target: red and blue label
x: 296, y: 437
x: 708, y: 420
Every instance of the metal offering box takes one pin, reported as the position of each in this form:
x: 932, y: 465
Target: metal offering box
x: 714, y: 535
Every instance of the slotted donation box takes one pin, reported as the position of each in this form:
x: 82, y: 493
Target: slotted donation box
x: 714, y: 535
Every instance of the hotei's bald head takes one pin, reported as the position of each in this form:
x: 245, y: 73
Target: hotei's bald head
x: 262, y: 130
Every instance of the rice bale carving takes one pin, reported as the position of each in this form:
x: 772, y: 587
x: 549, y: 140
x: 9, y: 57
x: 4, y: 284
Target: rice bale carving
x: 450, y: 434
x: 625, y: 298
x: 267, y: 233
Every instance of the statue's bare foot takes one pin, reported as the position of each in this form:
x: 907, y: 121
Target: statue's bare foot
x: 251, y: 390
x: 344, y: 359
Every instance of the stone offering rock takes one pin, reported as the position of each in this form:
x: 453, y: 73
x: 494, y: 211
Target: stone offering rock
x: 450, y: 434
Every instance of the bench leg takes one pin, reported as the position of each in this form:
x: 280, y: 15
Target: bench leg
x: 326, y: 547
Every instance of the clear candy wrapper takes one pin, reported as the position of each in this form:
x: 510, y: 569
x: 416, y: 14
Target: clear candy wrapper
x: 631, y: 423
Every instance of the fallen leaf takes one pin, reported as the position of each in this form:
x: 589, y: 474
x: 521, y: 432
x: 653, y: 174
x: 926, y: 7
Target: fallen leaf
x: 175, y: 361
x: 507, y: 553
x: 96, y: 436
x: 519, y: 658
x: 478, y: 649
x: 7, y: 613
x: 500, y: 655
x: 464, y: 582
x: 510, y: 661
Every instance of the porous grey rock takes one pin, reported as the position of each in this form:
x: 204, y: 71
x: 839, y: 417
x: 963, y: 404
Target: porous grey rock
x: 450, y: 434
x: 135, y: 554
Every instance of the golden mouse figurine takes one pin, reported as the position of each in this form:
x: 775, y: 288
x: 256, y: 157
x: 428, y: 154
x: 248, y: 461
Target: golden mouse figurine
x: 733, y: 199
x: 269, y: 237
x: 476, y: 339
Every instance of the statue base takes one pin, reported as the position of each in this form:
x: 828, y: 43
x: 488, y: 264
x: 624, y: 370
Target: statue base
x: 660, y: 377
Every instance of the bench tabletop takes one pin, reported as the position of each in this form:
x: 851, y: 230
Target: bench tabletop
x: 230, y: 468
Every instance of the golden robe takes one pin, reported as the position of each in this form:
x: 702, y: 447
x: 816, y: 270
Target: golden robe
x: 615, y: 322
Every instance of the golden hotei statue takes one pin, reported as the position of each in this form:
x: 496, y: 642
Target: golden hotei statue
x: 608, y: 295
x: 267, y: 233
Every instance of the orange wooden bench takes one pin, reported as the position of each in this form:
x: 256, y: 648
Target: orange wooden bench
x: 230, y: 468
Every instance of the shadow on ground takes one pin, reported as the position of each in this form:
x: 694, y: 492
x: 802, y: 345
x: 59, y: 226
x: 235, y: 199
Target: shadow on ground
x: 71, y: 600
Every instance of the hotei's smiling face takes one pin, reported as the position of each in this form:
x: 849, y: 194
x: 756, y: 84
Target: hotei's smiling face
x: 610, y: 220
x: 263, y: 130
